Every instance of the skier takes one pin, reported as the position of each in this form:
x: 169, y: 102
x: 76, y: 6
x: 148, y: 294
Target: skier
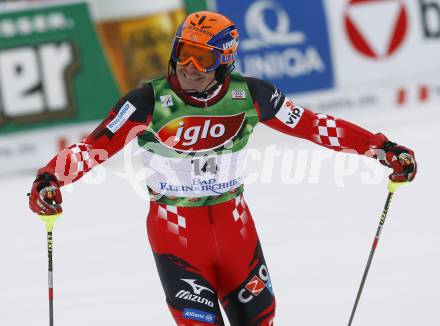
x: 193, y: 125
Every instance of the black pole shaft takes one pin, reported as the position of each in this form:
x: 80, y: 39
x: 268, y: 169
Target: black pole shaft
x: 370, y: 258
x: 50, y: 275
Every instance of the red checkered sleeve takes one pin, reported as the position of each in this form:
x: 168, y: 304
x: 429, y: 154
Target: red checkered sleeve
x: 72, y: 163
x: 322, y: 129
x: 126, y: 120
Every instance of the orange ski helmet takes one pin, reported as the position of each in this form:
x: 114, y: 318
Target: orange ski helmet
x: 207, y: 39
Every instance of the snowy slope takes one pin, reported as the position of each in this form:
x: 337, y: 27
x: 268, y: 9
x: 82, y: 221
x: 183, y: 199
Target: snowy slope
x: 316, y: 235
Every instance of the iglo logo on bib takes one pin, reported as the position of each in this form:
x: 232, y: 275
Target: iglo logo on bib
x: 200, y: 133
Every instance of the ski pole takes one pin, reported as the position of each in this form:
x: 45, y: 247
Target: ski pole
x: 49, y: 221
x: 392, y: 187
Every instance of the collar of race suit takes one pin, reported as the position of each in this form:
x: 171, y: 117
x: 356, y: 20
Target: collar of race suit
x: 200, y: 99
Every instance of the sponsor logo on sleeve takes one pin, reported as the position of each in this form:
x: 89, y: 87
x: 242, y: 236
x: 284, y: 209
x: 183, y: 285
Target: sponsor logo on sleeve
x: 289, y: 113
x: 275, y: 98
x: 199, y: 315
x: 121, y: 118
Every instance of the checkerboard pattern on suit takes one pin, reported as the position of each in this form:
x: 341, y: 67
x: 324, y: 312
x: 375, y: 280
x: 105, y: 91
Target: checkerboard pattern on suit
x: 176, y: 223
x: 240, y: 216
x: 327, y: 132
x: 77, y: 161
x: 80, y: 157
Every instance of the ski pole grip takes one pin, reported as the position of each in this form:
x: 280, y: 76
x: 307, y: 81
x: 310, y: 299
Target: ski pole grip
x: 392, y: 186
x: 49, y: 220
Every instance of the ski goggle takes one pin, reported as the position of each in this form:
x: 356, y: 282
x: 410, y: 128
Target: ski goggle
x: 204, y: 58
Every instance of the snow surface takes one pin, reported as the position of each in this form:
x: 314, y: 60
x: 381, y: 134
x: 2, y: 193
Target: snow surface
x: 316, y: 236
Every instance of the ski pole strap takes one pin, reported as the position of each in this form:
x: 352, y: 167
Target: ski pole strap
x: 392, y: 186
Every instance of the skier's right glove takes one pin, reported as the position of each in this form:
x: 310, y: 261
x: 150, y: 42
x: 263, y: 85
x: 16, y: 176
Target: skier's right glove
x: 45, y: 197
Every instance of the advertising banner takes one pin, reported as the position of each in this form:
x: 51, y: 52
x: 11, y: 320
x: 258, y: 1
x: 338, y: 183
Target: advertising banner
x: 286, y: 42
x: 53, y: 78
x: 336, y: 54
x: 385, y: 55
x: 139, y: 48
x: 196, y: 5
x: 384, y: 41
x: 52, y: 69
x: 29, y: 150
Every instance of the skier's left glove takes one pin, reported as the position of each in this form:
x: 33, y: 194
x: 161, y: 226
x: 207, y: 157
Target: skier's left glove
x: 401, y: 159
x: 45, y: 197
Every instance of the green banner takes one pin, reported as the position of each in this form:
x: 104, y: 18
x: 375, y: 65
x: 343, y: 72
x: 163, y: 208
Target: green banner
x: 52, y: 68
x: 196, y: 5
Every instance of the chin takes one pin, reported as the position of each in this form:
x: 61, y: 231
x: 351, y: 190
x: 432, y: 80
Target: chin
x: 196, y: 89
x: 190, y: 86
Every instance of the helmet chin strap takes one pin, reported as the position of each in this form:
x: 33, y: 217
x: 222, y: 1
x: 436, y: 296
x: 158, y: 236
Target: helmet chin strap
x: 220, y: 74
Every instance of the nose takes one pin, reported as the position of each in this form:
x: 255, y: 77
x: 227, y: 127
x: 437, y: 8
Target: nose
x: 191, y: 68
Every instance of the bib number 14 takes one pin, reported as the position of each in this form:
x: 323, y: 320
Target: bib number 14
x: 205, y: 165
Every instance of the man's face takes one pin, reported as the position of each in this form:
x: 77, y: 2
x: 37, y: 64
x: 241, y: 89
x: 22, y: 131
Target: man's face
x: 191, y: 79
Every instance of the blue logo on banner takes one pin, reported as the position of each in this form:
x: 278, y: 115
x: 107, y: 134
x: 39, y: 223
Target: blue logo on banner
x: 199, y: 315
x: 283, y: 41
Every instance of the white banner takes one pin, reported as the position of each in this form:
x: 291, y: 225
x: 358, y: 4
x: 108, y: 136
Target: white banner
x: 33, y: 149
x: 385, y: 54
x: 383, y: 41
